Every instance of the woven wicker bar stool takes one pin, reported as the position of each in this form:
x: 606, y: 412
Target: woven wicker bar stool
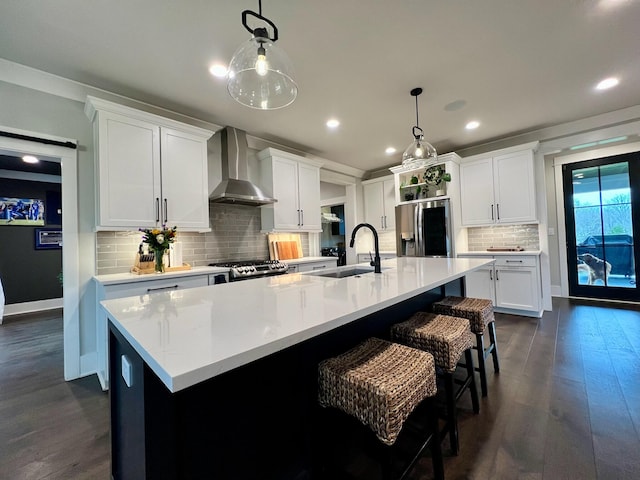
x: 479, y: 312
x: 380, y: 384
x: 447, y: 338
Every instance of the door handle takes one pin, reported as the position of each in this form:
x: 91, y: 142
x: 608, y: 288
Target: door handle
x: 492, y: 212
x: 490, y: 274
x: 497, y: 276
x: 514, y: 261
x: 165, y: 211
x: 301, y: 217
x: 298, y: 217
x: 157, y: 209
x: 382, y: 222
x: 498, y: 210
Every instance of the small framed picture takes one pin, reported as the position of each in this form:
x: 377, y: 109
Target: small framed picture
x: 47, y: 238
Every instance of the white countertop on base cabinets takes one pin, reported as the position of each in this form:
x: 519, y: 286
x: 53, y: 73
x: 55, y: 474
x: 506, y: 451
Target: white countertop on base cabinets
x: 498, y: 254
x: 188, y: 336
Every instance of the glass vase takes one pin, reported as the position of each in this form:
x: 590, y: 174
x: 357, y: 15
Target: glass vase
x: 159, y: 257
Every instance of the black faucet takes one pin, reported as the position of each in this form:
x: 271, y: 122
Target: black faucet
x: 376, y: 259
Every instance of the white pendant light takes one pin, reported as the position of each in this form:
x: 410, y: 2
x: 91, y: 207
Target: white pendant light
x: 420, y: 153
x: 260, y: 73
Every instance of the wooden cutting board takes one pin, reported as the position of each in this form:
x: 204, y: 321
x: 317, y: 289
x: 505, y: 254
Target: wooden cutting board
x: 296, y: 251
x: 287, y: 250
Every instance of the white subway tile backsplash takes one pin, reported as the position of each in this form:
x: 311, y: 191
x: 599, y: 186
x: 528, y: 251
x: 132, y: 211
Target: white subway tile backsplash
x: 481, y: 238
x: 235, y: 235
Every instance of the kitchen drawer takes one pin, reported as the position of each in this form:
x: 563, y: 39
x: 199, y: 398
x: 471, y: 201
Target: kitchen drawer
x: 150, y: 286
x: 516, y: 261
x: 365, y: 257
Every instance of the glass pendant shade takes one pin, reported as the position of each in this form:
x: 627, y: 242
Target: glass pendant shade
x: 261, y: 75
x: 419, y: 154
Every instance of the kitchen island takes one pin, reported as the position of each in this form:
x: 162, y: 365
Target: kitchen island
x: 220, y: 381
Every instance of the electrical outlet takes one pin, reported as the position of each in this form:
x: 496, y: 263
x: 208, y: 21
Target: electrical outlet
x: 127, y: 371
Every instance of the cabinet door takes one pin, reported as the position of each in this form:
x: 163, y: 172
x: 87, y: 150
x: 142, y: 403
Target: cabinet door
x: 184, y: 180
x: 517, y: 288
x: 128, y: 172
x: 285, y: 190
x: 514, y: 185
x: 480, y: 284
x: 389, y: 195
x: 476, y: 192
x: 309, y: 197
x: 374, y: 204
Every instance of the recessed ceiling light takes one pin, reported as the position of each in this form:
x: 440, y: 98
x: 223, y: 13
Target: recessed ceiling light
x: 30, y: 159
x: 607, y: 83
x: 390, y: 151
x: 472, y: 125
x: 333, y: 123
x: 218, y: 70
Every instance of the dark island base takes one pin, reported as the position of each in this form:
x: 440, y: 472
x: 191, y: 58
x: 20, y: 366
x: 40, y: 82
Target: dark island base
x: 259, y: 421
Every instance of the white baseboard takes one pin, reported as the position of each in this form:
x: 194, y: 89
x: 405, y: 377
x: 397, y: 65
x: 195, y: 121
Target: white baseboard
x: 556, y: 291
x: 30, y: 307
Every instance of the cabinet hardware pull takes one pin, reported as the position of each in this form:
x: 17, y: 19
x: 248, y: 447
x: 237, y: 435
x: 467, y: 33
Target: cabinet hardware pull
x: 514, y: 261
x: 497, y: 276
x: 498, y: 210
x: 490, y: 274
x: 165, y: 211
x: 320, y: 267
x: 301, y: 217
x: 172, y: 287
x: 298, y: 217
x: 157, y: 209
x: 492, y: 212
x: 382, y: 222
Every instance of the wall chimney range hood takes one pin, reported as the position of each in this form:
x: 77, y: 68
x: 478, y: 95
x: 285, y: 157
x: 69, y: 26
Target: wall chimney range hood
x: 235, y: 187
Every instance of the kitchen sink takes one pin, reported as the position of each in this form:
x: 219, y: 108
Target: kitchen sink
x: 343, y: 272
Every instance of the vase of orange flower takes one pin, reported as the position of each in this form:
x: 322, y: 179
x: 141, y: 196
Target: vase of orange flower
x: 159, y: 241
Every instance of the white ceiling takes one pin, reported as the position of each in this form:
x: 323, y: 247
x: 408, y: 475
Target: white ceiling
x: 517, y: 65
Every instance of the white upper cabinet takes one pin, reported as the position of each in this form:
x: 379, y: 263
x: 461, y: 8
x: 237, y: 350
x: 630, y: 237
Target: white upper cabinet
x: 295, y: 183
x: 498, y: 189
x: 380, y: 202
x: 149, y: 171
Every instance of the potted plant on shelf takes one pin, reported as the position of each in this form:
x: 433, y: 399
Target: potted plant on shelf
x: 435, y: 176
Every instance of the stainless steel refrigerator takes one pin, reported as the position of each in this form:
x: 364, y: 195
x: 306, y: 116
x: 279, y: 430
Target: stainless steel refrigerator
x: 423, y: 229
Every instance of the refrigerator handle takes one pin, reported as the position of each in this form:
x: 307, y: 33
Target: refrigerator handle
x: 417, y: 213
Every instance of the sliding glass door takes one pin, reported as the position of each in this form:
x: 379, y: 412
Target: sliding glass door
x: 602, y: 214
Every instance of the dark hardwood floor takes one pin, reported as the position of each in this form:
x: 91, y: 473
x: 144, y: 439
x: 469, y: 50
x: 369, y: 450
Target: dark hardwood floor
x: 49, y: 428
x: 566, y: 404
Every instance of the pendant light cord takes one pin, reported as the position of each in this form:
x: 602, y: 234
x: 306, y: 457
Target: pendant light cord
x: 417, y: 120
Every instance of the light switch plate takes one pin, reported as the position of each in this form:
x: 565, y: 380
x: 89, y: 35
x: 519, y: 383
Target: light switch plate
x: 127, y: 371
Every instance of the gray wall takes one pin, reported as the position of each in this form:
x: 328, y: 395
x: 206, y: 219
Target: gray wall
x: 31, y: 110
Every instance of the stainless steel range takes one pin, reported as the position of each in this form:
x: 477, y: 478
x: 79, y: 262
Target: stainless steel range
x: 247, y: 269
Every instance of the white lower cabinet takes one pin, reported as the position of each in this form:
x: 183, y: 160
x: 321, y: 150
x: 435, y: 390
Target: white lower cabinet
x: 366, y: 257
x: 108, y: 289
x: 512, y: 283
x: 310, y: 266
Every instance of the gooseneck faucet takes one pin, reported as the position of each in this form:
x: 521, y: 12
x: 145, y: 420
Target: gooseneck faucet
x: 376, y: 259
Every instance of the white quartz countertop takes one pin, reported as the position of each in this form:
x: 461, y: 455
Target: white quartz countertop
x: 116, y: 278
x: 188, y: 336
x: 498, y: 254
